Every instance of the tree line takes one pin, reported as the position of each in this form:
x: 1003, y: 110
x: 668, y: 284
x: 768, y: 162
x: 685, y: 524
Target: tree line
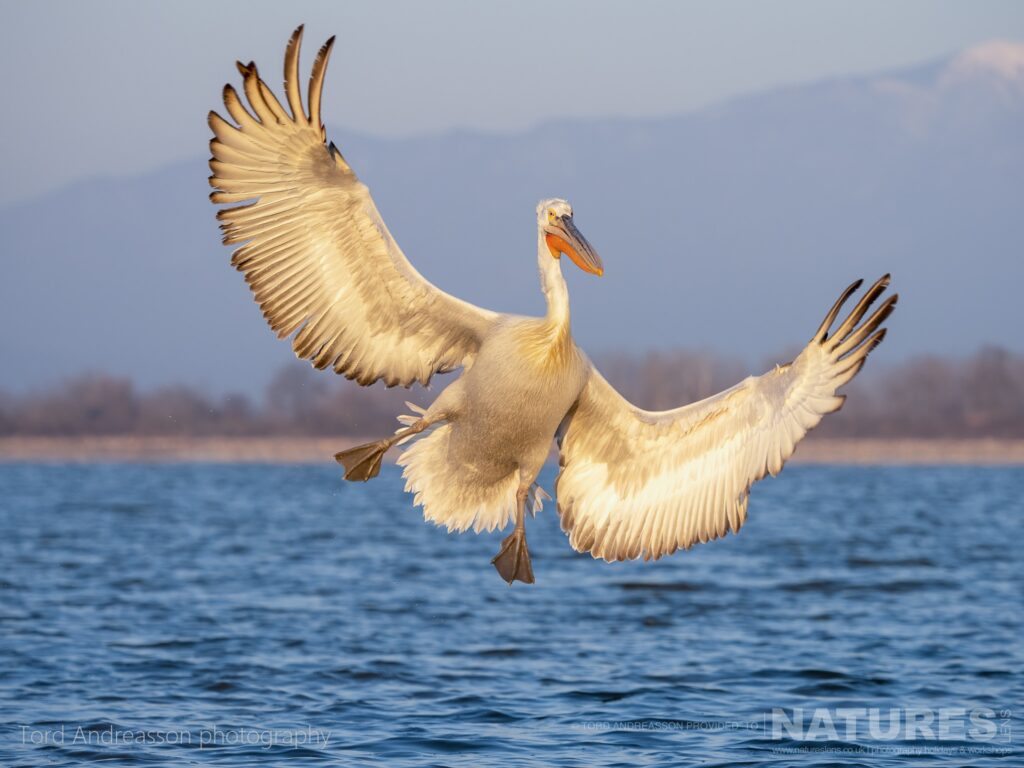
x: 929, y: 397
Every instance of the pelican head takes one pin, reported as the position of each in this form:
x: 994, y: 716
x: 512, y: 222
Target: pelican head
x: 554, y: 219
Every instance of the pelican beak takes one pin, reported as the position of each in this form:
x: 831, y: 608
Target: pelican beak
x: 563, y: 237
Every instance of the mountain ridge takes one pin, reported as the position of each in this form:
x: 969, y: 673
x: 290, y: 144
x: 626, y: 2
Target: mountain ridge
x: 729, y: 228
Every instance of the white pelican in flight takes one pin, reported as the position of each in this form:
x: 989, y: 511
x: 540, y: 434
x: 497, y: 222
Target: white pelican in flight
x: 633, y: 483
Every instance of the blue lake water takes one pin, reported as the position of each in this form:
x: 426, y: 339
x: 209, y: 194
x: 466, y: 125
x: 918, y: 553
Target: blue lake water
x: 243, y: 614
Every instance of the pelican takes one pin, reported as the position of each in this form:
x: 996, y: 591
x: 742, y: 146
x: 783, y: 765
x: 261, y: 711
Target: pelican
x: 326, y: 272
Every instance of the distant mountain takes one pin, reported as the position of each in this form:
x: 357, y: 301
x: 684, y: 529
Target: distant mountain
x: 729, y: 229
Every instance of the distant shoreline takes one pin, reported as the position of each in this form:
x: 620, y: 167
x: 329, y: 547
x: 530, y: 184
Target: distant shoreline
x: 320, y: 450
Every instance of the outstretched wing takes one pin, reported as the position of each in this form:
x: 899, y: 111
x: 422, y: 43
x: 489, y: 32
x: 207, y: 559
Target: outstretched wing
x: 315, y: 252
x: 637, y: 483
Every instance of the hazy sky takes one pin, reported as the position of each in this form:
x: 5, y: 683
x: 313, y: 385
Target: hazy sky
x: 116, y: 87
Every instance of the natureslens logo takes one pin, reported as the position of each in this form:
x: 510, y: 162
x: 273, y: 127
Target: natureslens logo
x: 907, y: 724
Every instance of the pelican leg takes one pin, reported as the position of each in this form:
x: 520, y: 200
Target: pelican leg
x: 513, y: 559
x: 363, y: 461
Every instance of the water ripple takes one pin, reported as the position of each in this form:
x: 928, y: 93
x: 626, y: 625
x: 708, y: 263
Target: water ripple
x: 246, y: 614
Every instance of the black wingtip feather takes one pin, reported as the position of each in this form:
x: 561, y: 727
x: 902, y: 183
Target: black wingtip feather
x: 875, y: 340
x: 822, y: 334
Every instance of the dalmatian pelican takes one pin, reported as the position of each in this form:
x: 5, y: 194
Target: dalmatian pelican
x: 633, y: 483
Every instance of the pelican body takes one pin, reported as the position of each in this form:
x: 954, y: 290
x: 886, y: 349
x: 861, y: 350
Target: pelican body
x: 633, y: 483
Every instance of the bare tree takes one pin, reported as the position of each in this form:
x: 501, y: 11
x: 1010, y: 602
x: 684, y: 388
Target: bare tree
x: 928, y: 397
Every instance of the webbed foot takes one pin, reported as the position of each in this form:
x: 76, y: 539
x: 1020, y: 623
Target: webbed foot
x: 363, y: 461
x: 513, y: 559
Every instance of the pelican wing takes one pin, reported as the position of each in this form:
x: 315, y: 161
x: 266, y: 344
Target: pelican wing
x: 637, y: 483
x: 315, y: 252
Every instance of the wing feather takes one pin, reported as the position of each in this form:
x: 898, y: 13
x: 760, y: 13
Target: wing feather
x: 313, y: 247
x: 637, y: 483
